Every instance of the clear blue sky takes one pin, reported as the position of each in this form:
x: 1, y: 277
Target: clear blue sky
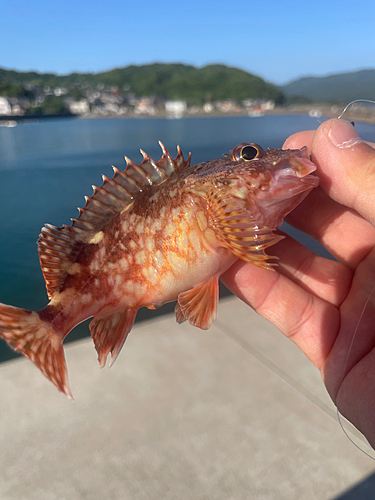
x: 278, y: 40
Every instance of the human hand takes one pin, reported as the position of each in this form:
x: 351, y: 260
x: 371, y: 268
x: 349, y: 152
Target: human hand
x: 320, y: 303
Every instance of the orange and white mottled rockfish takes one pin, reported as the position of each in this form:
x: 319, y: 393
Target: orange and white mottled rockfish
x: 152, y: 234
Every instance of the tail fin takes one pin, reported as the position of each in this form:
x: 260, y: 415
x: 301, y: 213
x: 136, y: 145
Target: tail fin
x: 29, y: 335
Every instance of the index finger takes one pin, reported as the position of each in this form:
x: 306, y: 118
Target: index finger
x: 324, y: 219
x: 346, y: 166
x: 300, y: 139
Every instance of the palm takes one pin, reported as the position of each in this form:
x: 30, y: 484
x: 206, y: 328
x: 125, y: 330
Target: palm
x: 319, y: 303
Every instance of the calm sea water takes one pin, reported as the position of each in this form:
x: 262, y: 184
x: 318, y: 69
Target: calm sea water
x: 47, y: 167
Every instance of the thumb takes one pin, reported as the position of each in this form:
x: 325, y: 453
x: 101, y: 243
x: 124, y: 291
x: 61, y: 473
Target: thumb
x: 346, y: 166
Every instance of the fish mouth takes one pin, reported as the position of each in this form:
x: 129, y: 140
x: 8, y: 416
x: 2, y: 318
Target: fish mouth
x: 295, y: 172
x: 292, y: 174
x: 300, y: 161
x: 292, y: 180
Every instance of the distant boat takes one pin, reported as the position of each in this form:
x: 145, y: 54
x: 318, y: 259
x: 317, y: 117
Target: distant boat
x: 315, y: 113
x: 255, y: 114
x: 8, y: 123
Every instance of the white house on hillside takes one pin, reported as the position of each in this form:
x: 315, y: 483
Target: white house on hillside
x: 79, y: 107
x: 5, y: 107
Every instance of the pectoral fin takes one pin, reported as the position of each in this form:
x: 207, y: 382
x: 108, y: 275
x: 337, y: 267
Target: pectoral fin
x: 109, y: 334
x: 242, y: 234
x: 249, y: 243
x: 199, y: 305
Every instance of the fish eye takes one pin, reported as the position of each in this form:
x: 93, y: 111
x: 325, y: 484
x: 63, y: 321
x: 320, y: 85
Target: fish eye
x: 247, y: 151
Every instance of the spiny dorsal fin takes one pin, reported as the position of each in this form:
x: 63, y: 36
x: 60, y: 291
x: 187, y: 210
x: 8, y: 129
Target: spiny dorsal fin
x: 57, y: 245
x: 118, y: 193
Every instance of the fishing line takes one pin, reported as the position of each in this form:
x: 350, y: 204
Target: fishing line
x: 339, y: 416
x: 352, y: 102
x: 347, y: 106
x: 345, y: 367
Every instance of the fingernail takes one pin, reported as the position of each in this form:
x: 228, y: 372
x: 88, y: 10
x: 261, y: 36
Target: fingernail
x: 342, y: 134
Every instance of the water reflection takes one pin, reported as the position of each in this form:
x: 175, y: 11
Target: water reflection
x: 46, y: 168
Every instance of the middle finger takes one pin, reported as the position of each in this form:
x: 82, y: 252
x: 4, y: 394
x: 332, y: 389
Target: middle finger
x: 327, y: 279
x: 342, y: 231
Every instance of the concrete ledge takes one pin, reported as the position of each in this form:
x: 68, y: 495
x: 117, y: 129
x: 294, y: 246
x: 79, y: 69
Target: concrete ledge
x: 233, y: 413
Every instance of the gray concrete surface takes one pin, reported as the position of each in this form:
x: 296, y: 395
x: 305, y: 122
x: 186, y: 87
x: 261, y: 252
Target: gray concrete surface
x: 236, y: 412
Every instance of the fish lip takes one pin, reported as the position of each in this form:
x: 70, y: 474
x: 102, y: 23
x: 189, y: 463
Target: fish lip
x: 298, y: 161
x: 295, y: 174
x: 306, y: 183
x: 298, y: 184
x: 311, y: 180
x: 297, y: 165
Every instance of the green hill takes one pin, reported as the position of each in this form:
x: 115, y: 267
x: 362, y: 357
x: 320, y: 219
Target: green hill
x: 171, y: 81
x: 343, y: 87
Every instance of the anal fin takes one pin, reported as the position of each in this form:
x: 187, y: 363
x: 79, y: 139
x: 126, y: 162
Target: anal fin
x: 180, y: 316
x: 109, y: 334
x: 199, y: 305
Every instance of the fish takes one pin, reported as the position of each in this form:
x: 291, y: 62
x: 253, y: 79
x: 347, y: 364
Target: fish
x: 155, y: 233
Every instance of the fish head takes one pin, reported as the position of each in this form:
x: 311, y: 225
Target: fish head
x: 267, y: 183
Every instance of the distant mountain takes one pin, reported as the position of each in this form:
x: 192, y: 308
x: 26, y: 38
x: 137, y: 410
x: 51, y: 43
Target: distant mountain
x: 343, y: 87
x: 171, y: 81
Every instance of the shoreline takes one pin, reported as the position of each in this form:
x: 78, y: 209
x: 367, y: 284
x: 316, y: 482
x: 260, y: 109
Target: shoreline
x: 359, y: 114
x: 363, y: 115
